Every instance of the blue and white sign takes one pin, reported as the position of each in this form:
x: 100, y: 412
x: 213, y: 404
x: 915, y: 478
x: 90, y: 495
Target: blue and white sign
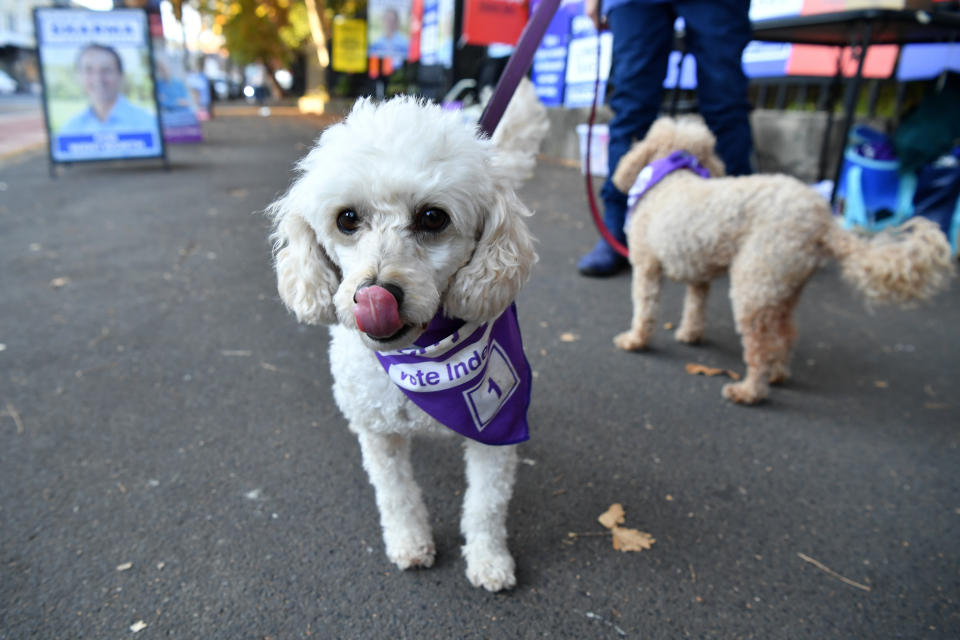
x: 550, y: 60
x: 926, y: 61
x: 766, y: 59
x: 98, y: 84
x: 436, y: 33
x: 581, y: 72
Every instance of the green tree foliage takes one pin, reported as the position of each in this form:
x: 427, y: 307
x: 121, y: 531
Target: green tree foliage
x: 271, y: 32
x: 268, y: 31
x: 260, y: 30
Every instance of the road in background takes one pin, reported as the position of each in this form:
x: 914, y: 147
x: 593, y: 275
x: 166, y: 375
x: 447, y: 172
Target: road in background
x: 21, y: 124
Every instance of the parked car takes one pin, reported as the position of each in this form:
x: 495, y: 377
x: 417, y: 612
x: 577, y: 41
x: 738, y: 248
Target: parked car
x: 227, y: 89
x: 256, y: 93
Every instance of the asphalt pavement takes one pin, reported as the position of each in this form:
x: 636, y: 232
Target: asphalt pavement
x: 172, y: 463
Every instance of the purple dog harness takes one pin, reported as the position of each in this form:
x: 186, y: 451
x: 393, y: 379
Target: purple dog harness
x: 656, y: 171
x: 474, y: 379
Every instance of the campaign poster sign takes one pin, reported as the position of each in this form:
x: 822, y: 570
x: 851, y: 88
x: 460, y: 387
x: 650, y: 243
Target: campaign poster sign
x: 550, y: 60
x: 200, y: 91
x: 766, y: 9
x: 436, y: 33
x: 388, y: 29
x: 769, y: 59
x: 926, y: 61
x: 818, y: 60
x: 178, y: 105
x: 581, y: 71
x: 349, y: 45
x: 98, y: 89
x: 487, y: 22
x: 766, y: 59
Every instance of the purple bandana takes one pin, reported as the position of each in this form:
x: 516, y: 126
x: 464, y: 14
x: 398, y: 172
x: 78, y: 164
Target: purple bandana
x: 474, y: 379
x: 656, y: 171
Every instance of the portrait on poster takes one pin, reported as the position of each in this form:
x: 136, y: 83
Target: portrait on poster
x: 98, y: 87
x: 389, y: 29
x: 178, y: 103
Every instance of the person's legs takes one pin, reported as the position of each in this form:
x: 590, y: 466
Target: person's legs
x: 642, y: 40
x: 716, y: 33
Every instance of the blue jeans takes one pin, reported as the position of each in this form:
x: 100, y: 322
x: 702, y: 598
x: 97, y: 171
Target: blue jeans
x: 716, y: 33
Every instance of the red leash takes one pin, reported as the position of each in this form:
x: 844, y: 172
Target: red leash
x: 591, y: 197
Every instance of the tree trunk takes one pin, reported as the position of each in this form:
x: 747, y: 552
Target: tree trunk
x: 318, y: 33
x: 276, y: 91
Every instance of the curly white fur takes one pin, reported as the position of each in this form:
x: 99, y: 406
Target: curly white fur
x: 388, y: 162
x: 771, y: 232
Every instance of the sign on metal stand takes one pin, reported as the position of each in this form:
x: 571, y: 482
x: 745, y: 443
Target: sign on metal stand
x: 99, y: 85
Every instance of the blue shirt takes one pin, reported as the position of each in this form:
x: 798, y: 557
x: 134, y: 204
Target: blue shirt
x: 172, y: 94
x: 395, y: 46
x: 607, y: 5
x: 124, y: 116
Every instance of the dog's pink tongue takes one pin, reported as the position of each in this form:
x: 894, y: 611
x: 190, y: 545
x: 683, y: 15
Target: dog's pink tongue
x: 376, y: 312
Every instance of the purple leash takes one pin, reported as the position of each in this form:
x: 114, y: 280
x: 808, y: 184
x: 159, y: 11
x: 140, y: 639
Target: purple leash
x: 517, y: 65
x: 479, y: 384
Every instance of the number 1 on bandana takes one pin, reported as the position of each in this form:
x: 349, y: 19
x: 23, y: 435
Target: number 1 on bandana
x: 478, y: 385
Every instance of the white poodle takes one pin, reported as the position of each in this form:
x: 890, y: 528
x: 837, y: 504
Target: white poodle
x: 404, y: 221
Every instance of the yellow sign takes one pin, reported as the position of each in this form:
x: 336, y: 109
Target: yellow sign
x: 349, y: 45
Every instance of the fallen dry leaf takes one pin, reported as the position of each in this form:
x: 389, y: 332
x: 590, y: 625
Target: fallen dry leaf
x: 12, y: 412
x: 668, y: 326
x: 568, y: 337
x: 612, y: 516
x: 880, y: 384
x: 631, y: 540
x: 702, y: 369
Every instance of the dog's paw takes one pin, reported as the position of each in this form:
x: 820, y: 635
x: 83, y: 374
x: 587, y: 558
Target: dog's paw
x: 688, y: 336
x: 630, y: 341
x: 779, y: 373
x: 412, y: 553
x: 744, y: 393
x: 490, y: 566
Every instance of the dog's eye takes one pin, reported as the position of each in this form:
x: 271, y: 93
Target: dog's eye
x: 432, y: 220
x: 348, y: 221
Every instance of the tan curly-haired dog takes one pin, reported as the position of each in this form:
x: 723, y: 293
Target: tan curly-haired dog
x: 771, y: 232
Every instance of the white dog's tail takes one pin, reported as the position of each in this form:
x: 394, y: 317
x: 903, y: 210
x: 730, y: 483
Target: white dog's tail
x: 520, y: 132
x: 904, y: 265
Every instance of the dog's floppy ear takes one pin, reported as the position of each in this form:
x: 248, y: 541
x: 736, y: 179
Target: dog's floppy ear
x: 500, y: 265
x: 306, y: 277
x: 695, y: 137
x: 630, y: 165
x: 658, y: 141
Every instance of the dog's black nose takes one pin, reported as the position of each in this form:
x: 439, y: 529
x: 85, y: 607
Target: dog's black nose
x: 391, y: 288
x: 396, y: 292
